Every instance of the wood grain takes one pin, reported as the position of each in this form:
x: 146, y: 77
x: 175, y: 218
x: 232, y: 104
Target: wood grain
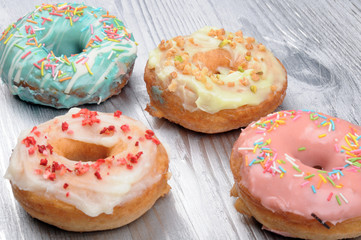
x: 317, y: 41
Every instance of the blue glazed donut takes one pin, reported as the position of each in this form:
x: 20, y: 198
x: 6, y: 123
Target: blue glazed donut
x: 66, y: 55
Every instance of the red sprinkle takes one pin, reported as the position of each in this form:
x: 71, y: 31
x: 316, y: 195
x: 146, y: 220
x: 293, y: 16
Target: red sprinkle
x: 330, y: 196
x: 29, y: 141
x: 44, y: 162
x: 136, y: 143
x: 52, y: 176
x: 129, y: 137
x: 89, y: 117
x: 97, y: 174
x: 50, y: 148
x: 67, y: 194
x: 34, y: 128
x: 156, y: 141
x: 64, y: 126
x: 125, y: 128
x: 25, y: 55
x: 108, y: 130
x: 31, y: 150
x: 55, y: 166
x: 41, y: 148
x: 38, y: 171
x: 65, y: 185
x: 149, y: 132
x: 129, y: 166
x: 117, y: 114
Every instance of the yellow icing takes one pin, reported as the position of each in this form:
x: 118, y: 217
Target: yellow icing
x: 210, y: 96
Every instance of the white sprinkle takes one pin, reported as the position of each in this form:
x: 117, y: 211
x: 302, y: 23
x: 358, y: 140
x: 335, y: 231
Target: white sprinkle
x: 299, y: 175
x: 245, y: 149
x: 330, y: 127
x: 19, y: 36
x: 259, y: 140
x: 38, y: 29
x: 343, y: 197
x: 275, y: 169
x: 289, y: 157
x: 56, y: 75
x: 291, y: 161
x: 110, y: 55
x: 349, y: 162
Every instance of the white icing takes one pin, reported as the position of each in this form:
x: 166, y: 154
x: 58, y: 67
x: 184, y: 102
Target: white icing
x: 86, y: 192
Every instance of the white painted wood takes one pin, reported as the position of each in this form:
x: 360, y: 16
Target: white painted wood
x: 319, y: 42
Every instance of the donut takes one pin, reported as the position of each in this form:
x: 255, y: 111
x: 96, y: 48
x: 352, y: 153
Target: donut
x: 88, y: 171
x: 213, y: 80
x: 298, y: 174
x: 65, y: 55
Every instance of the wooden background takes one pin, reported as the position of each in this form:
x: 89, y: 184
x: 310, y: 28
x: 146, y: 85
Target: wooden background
x: 319, y: 43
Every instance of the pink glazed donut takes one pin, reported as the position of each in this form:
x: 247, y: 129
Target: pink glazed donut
x: 298, y: 173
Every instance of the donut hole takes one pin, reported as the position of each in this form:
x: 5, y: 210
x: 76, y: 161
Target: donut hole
x: 67, y: 42
x: 318, y: 167
x: 212, y: 59
x: 80, y: 151
x: 316, y: 160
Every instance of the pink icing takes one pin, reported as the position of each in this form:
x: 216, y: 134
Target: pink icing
x: 310, y: 140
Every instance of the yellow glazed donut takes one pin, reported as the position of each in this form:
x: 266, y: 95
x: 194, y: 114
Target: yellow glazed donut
x: 213, y: 80
x: 88, y: 171
x: 298, y: 173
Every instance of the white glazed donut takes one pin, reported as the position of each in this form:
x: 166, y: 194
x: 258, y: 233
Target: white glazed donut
x: 87, y: 171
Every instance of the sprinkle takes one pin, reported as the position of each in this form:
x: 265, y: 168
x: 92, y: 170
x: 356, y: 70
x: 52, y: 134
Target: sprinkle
x: 319, y: 184
x: 321, y: 116
x: 31, y: 21
x: 338, y: 200
x: 329, y: 196
x: 87, y: 67
x: 305, y: 183
x: 121, y: 50
x: 110, y: 55
x: 253, y: 88
x: 255, y: 148
x: 282, y: 169
x: 73, y: 65
x: 18, y: 46
x: 42, y: 69
x: 323, y: 179
x: 333, y: 125
x: 343, y: 197
x: 85, y: 28
x: 250, y: 164
x: 320, y: 221
x: 245, y: 149
x: 64, y: 79
x: 313, y: 189
x: 330, y: 180
x: 91, y: 29
x: 301, y: 148
x: 299, y: 175
x: 36, y: 65
x: 98, y: 38
x: 322, y: 135
x: 309, y: 176
x: 297, y: 169
x: 25, y: 55
x: 8, y: 38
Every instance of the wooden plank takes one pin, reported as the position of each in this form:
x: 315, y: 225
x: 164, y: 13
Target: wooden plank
x: 317, y: 41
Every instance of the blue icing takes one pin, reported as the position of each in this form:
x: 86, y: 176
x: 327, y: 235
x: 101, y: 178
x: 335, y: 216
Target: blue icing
x: 109, y: 56
x: 157, y: 94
